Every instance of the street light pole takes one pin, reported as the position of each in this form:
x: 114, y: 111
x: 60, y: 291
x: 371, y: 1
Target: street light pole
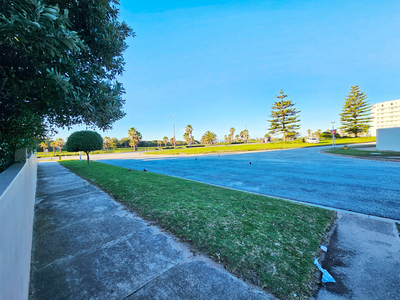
x: 333, y: 134
x: 173, y: 125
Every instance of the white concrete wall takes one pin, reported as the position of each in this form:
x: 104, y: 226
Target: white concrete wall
x: 17, y: 199
x: 388, y: 139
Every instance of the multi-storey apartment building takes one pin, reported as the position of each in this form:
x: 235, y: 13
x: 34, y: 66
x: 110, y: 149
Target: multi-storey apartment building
x: 385, y: 115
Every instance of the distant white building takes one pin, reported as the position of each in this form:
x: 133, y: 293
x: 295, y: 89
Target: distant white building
x: 385, y: 115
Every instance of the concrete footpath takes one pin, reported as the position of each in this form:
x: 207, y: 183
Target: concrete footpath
x: 364, y: 258
x: 88, y: 246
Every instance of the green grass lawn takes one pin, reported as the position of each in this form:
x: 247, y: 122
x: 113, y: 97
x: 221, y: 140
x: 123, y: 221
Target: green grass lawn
x: 258, y: 146
x: 268, y: 241
x: 363, y: 153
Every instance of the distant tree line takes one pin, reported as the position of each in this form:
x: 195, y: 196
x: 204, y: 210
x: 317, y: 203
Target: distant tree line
x: 284, y: 120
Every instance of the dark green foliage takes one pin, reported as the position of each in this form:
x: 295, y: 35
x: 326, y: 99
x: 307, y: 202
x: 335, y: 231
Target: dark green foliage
x: 124, y: 142
x: 85, y: 141
x: 181, y: 143
x: 328, y: 135
x: 284, y: 117
x: 356, y: 114
x: 59, y: 62
x: 147, y: 144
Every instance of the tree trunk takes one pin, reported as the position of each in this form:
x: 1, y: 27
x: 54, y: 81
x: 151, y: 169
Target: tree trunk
x: 88, y: 161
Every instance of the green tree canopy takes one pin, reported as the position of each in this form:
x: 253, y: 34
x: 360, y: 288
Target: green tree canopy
x: 232, y: 132
x: 328, y: 135
x: 124, y: 142
x: 135, y: 137
x: 43, y: 145
x: 244, y: 134
x: 60, y: 143
x: 189, y: 138
x: 284, y: 116
x: 165, y: 140
x: 208, y: 137
x: 59, y: 62
x: 356, y: 113
x: 86, y: 141
x: 106, y: 142
x: 53, y: 145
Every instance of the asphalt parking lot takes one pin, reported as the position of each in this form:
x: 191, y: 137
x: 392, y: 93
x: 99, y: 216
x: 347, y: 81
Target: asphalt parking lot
x: 364, y: 186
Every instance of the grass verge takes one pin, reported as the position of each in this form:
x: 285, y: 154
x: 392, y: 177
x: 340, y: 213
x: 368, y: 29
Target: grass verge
x: 364, y: 153
x: 267, y: 241
x: 258, y: 146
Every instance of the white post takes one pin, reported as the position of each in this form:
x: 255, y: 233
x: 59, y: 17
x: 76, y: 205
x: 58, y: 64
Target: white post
x: 80, y: 157
x: 333, y: 134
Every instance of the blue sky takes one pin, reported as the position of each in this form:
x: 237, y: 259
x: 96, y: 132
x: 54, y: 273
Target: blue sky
x: 219, y: 64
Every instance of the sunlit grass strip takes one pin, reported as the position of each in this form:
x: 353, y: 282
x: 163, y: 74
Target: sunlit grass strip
x: 268, y: 241
x: 259, y: 147
x: 363, y: 153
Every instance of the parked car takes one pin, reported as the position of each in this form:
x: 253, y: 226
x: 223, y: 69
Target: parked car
x: 312, y: 140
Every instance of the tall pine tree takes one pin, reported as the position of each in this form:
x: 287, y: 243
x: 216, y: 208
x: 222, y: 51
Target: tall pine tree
x: 284, y: 116
x: 356, y: 115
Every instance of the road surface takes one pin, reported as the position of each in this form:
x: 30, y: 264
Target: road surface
x: 364, y: 186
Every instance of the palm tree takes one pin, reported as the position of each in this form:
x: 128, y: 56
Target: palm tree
x: 165, y: 140
x: 237, y: 137
x: 186, y: 137
x: 159, y: 143
x: 309, y: 132
x: 106, y: 142
x: 44, y: 146
x: 60, y: 143
x: 244, y: 134
x: 135, y: 137
x: 209, y: 137
x: 232, y: 131
x: 53, y: 145
x: 189, y: 130
x: 171, y: 140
